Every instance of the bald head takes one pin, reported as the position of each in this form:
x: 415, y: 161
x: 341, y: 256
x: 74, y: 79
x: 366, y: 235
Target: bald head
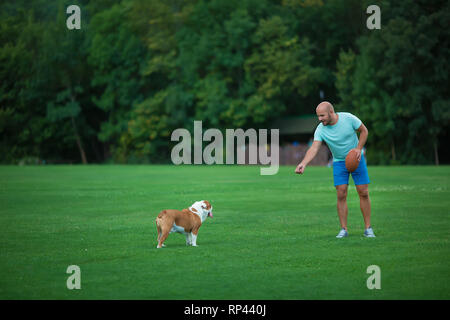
x: 325, y: 113
x: 325, y: 106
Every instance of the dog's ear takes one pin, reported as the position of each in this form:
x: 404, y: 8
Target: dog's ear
x: 207, y: 204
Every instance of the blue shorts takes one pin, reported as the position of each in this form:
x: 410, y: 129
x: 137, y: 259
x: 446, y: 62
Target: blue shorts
x: 341, y: 174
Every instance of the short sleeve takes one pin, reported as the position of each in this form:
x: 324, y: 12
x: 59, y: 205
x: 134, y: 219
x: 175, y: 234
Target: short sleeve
x: 356, y: 123
x: 317, y: 133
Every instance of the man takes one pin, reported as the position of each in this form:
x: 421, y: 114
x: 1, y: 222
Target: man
x: 338, y: 130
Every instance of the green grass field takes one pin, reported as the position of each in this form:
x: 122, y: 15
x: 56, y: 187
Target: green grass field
x: 272, y: 237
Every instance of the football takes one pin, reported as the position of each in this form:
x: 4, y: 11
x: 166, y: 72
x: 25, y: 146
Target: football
x: 351, y: 161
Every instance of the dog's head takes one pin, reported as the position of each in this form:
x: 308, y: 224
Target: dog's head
x: 203, y: 207
x: 206, y: 206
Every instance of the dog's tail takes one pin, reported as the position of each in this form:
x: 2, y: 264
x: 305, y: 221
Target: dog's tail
x: 158, y: 219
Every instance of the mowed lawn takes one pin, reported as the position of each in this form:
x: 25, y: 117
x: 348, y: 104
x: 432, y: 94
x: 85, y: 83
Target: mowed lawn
x: 272, y: 237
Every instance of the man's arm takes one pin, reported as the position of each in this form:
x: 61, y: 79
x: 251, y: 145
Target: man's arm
x: 310, y: 154
x: 363, y: 134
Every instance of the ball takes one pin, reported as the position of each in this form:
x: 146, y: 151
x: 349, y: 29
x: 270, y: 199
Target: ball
x: 351, y: 161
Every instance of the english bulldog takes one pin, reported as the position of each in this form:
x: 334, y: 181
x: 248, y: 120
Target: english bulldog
x: 186, y: 221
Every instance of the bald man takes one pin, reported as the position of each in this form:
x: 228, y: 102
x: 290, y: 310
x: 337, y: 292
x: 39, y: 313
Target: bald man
x: 338, y: 130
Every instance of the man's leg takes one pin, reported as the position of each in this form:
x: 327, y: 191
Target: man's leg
x: 364, y: 202
x: 361, y: 178
x: 342, y: 207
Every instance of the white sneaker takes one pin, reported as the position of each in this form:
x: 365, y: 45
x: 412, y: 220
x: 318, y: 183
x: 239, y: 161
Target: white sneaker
x: 343, y: 233
x: 369, y: 233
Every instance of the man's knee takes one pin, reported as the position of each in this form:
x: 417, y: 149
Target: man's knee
x: 363, y: 192
x: 341, y: 193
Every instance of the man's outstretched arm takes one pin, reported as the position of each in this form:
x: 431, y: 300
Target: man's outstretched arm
x: 310, y: 154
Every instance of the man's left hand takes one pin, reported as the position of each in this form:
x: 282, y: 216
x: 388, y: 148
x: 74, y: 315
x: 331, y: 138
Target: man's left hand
x: 358, y: 153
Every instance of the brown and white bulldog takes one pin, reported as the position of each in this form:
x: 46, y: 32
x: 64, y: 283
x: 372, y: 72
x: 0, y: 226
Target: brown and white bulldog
x: 186, y: 221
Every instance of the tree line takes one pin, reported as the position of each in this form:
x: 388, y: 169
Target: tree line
x: 114, y: 90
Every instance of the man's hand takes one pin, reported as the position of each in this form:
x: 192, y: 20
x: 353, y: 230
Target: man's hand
x: 310, y: 154
x: 358, y: 154
x: 300, y: 168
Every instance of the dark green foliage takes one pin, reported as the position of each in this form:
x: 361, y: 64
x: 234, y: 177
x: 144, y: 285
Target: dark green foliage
x: 137, y: 70
x: 398, y: 83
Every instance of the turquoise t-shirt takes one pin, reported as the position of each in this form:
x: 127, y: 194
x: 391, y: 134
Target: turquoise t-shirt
x: 340, y: 137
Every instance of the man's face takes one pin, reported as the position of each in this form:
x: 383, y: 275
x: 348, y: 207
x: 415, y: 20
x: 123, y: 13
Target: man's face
x: 324, y: 116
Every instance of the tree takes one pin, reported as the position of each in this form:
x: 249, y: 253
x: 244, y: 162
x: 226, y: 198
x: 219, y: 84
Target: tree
x: 116, y: 56
x: 398, y: 83
x: 64, y: 50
